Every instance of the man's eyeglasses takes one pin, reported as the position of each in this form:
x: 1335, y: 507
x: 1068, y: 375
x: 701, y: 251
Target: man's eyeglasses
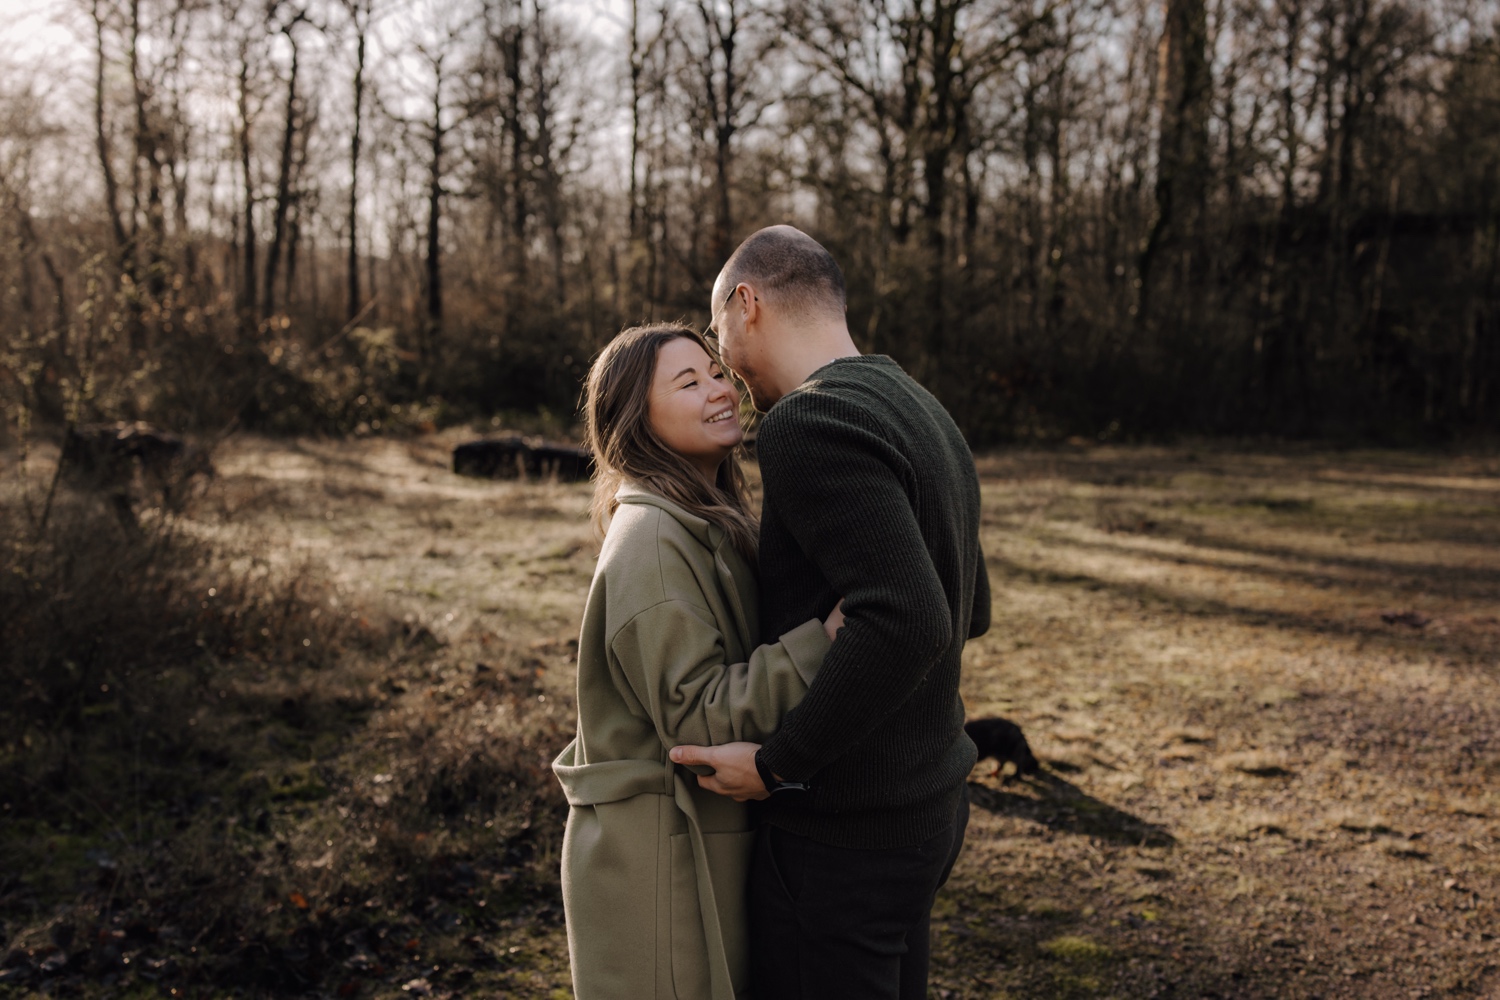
x: 711, y: 338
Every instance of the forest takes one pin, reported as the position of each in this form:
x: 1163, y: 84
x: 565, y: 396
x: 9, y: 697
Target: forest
x: 1115, y: 219
x: 1211, y: 286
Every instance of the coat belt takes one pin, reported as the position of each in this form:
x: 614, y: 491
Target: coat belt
x: 614, y: 780
x: 610, y: 780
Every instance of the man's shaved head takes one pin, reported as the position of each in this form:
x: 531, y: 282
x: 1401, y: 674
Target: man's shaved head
x: 790, y: 268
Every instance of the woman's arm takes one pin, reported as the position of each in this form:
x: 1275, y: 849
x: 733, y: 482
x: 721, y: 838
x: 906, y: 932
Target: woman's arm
x: 672, y: 656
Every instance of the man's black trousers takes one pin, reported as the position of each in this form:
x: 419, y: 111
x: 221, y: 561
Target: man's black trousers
x: 831, y: 922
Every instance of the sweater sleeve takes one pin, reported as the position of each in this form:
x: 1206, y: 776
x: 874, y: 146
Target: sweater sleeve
x: 842, y: 491
x: 672, y: 656
x: 979, y: 618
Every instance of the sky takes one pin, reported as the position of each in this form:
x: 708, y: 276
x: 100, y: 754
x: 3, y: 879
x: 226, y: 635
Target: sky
x: 52, y: 36
x: 31, y: 29
x: 46, y: 48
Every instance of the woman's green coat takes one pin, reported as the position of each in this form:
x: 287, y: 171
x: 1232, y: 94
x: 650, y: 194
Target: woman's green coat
x: 654, y: 867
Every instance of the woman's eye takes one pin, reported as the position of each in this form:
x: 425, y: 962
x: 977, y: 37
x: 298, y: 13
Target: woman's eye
x: 689, y: 385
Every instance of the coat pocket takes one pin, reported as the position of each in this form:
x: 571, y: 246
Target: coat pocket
x: 729, y: 867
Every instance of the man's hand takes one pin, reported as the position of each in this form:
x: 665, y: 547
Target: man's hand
x: 734, y: 769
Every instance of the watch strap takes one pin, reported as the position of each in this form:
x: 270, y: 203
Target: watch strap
x: 768, y: 778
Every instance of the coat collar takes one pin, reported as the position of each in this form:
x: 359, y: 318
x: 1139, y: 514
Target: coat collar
x: 737, y: 577
x: 711, y: 535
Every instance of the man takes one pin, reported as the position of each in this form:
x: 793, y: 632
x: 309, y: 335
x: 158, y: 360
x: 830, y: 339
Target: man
x: 870, y: 496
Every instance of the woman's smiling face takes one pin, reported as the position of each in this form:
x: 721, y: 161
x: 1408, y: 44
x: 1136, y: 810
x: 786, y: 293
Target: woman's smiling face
x: 694, y: 407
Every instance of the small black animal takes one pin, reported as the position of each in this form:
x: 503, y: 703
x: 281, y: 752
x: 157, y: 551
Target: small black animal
x: 1004, y: 741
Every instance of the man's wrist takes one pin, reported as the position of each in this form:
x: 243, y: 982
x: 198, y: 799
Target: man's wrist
x: 772, y: 782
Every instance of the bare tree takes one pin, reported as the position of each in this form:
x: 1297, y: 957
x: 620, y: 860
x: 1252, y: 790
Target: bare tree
x: 439, y: 31
x: 1066, y: 216
x: 361, y: 14
x: 1182, y: 164
x: 730, y: 87
x: 293, y: 121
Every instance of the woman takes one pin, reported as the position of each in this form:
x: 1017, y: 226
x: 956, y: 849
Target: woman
x: 653, y: 867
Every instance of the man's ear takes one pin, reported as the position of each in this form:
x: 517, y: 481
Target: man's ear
x: 749, y: 301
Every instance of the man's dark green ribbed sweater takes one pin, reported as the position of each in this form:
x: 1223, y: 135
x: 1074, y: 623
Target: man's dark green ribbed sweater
x: 871, y: 496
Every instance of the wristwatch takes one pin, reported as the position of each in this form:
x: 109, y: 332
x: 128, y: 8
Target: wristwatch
x: 774, y: 784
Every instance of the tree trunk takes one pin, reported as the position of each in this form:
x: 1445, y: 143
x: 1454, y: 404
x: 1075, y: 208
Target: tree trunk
x: 434, y: 272
x: 101, y: 139
x: 283, y: 179
x: 293, y: 240
x: 520, y: 169
x: 362, y: 29
x: 124, y: 243
x: 723, y: 100
x: 544, y: 156
x: 147, y: 161
x: 248, y: 280
x: 636, y: 70
x: 1182, y: 148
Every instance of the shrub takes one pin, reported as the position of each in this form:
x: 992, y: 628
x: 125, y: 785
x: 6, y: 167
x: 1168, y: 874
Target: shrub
x: 216, y: 773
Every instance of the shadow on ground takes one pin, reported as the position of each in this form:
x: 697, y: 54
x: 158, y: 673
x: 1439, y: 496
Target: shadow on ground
x: 1062, y: 806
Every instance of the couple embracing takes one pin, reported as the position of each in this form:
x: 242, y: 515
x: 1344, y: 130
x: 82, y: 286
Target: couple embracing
x: 768, y: 818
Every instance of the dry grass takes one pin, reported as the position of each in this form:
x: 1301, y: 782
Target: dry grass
x: 1254, y: 786
x: 346, y: 792
x: 1257, y: 786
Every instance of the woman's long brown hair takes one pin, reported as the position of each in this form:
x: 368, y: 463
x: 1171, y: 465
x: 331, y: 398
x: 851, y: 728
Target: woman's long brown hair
x: 626, y: 447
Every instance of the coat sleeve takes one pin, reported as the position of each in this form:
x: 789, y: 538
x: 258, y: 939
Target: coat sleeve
x: 672, y: 656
